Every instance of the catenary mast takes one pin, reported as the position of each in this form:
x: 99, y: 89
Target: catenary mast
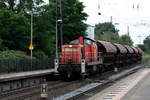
x: 59, y: 38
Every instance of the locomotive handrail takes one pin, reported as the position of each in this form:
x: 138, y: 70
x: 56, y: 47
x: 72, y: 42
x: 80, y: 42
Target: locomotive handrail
x: 91, y: 58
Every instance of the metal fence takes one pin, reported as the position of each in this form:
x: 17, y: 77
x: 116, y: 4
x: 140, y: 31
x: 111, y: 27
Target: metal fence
x: 20, y: 65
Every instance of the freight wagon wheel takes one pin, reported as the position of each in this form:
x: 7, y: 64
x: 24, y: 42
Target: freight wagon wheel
x: 101, y: 69
x: 83, y: 76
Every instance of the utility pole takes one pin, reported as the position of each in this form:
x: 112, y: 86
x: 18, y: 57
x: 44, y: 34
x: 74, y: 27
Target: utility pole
x: 111, y: 19
x: 128, y: 31
x: 59, y: 38
x: 31, y: 30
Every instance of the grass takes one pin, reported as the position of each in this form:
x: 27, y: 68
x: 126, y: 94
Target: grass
x: 145, y: 55
x: 89, y: 80
x: 147, y: 64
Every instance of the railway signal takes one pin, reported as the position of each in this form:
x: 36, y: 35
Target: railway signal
x: 31, y: 47
x: 44, y: 90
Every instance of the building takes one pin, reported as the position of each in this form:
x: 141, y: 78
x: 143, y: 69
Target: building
x: 90, y: 31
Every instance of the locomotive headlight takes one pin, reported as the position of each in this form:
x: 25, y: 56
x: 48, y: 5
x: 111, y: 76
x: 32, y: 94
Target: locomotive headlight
x: 70, y: 46
x: 56, y: 63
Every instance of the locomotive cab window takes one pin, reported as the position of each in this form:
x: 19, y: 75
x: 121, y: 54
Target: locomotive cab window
x: 75, y: 41
x: 71, y: 49
x: 87, y: 42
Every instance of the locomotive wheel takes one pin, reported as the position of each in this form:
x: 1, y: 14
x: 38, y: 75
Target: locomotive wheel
x: 83, y: 76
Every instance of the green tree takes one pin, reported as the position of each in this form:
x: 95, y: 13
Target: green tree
x: 142, y: 47
x: 73, y: 17
x: 126, y: 40
x: 45, y: 32
x: 146, y: 46
x: 21, y: 5
x: 15, y: 23
x: 102, y: 28
x: 110, y: 37
x: 107, y: 32
x: 14, y: 30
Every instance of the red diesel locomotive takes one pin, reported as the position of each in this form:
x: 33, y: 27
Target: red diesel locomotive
x: 84, y: 56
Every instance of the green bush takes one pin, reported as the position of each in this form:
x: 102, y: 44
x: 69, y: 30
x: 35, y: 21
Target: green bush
x: 39, y: 54
x: 89, y: 81
x: 11, y: 54
x: 145, y: 55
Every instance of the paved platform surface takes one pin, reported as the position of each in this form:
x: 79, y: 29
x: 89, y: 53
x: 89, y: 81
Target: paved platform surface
x: 141, y: 91
x: 21, y: 75
x: 132, y: 87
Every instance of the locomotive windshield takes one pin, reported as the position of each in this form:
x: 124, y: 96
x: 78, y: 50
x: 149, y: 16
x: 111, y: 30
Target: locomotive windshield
x: 75, y: 41
x: 87, y: 42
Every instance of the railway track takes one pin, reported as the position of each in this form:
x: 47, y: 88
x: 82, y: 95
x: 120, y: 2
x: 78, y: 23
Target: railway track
x: 23, y: 93
x: 54, y: 87
x: 83, y: 93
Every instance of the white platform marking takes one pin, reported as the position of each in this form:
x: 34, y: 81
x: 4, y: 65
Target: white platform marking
x: 118, y: 93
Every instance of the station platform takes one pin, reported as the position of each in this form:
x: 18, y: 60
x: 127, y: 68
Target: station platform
x: 133, y: 87
x: 23, y: 75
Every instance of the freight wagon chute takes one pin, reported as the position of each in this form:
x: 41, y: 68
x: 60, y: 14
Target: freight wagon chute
x: 129, y: 49
x: 139, y: 51
x: 130, y: 55
x: 120, y: 56
x: 121, y: 48
x: 139, y: 55
x: 135, y: 55
x: 106, y: 47
x: 135, y: 50
x: 108, y: 51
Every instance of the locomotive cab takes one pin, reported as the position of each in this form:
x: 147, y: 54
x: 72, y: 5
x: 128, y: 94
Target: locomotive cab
x: 77, y: 55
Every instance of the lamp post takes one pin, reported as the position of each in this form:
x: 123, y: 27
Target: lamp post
x: 31, y: 46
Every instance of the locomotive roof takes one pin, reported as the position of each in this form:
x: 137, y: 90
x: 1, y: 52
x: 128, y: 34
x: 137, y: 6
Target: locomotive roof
x: 121, y: 48
x: 89, y: 39
x: 109, y: 47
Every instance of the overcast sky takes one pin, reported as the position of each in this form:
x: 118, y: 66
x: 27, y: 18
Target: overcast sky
x: 132, y: 13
